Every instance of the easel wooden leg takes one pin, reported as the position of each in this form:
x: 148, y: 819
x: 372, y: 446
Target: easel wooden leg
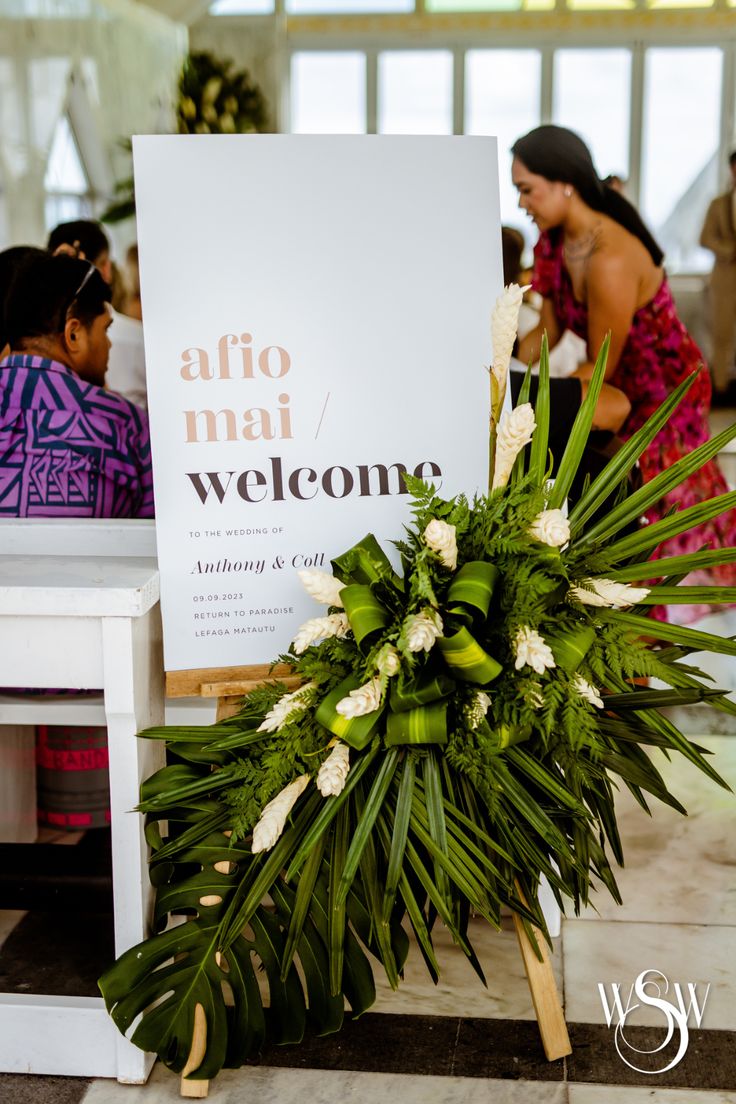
x: 546, y: 1000
x: 226, y: 707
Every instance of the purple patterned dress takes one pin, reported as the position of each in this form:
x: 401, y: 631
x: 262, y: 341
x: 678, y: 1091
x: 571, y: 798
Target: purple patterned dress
x: 69, y: 448
x: 659, y: 353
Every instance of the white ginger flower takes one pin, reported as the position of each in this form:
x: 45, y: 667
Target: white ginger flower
x: 478, y: 708
x: 389, y: 661
x: 606, y: 592
x: 551, y: 527
x: 504, y: 325
x: 531, y: 649
x: 440, y: 537
x: 514, y: 433
x: 322, y: 586
x: 366, y: 699
x: 334, y: 771
x: 273, y: 817
x: 319, y: 628
x: 422, y: 629
x: 585, y: 690
x: 288, y: 704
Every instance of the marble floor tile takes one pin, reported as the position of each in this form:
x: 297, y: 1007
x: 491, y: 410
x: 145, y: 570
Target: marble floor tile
x: 625, y: 1094
x: 679, y: 869
x: 460, y: 991
x: 611, y: 952
x: 281, y: 1086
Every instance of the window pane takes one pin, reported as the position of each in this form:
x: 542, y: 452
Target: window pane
x: 328, y: 93
x: 682, y: 107
x: 350, y: 7
x: 599, y: 5
x: 487, y: 5
x: 64, y: 171
x: 502, y: 98
x: 415, y: 92
x: 241, y: 7
x: 592, y: 92
x: 680, y: 3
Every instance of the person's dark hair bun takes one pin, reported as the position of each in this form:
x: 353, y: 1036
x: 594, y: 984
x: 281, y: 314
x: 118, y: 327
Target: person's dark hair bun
x: 559, y: 154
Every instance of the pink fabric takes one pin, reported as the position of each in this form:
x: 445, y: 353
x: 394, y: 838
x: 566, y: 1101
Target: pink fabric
x: 659, y: 353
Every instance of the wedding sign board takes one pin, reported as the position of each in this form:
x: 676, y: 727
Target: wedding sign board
x: 317, y: 321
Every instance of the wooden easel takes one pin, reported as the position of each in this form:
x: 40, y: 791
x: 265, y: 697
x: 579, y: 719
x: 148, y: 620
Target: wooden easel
x: 228, y: 685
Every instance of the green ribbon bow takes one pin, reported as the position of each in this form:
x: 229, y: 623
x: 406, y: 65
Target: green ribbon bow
x: 415, y: 710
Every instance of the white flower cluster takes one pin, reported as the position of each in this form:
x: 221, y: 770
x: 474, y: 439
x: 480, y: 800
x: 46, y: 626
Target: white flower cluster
x: 422, y: 629
x: 441, y: 538
x: 365, y: 699
x: 319, y: 628
x: 285, y: 707
x: 504, y: 324
x: 551, y: 527
x: 332, y: 774
x: 388, y: 661
x: 478, y: 708
x: 606, y: 592
x: 514, y: 432
x: 273, y: 817
x: 585, y: 690
x: 322, y: 586
x: 531, y: 650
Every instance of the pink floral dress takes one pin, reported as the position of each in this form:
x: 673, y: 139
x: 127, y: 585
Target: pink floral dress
x: 659, y: 353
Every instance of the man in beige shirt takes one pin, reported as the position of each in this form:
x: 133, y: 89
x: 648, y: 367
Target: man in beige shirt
x: 719, y: 235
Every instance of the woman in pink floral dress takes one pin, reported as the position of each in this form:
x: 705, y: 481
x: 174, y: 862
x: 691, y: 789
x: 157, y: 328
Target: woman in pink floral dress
x: 598, y: 269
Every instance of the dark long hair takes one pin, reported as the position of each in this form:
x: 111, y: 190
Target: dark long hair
x: 559, y: 154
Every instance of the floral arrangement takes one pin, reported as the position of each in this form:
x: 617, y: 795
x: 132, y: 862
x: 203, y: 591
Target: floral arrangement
x: 216, y: 99
x: 459, y: 731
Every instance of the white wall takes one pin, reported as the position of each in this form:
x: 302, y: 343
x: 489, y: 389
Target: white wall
x: 114, y: 63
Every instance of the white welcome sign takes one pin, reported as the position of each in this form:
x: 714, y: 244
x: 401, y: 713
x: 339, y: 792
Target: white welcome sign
x: 317, y: 321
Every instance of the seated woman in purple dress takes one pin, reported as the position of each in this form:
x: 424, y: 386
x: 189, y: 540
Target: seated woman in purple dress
x: 68, y: 448
x: 598, y: 269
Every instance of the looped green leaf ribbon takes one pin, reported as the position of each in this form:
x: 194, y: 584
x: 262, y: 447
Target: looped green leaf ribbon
x: 570, y: 650
x: 365, y: 563
x: 415, y: 710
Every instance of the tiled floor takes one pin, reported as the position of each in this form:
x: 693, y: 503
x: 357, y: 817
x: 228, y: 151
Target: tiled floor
x: 461, y: 1043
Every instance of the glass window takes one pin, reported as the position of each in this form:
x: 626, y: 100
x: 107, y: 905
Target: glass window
x: 488, y: 5
x: 347, y: 7
x: 592, y: 94
x: 502, y: 97
x: 473, y: 5
x: 64, y: 171
x: 680, y: 157
x: 328, y: 93
x: 66, y: 184
x: 680, y: 3
x: 599, y: 5
x: 415, y: 92
x: 241, y: 7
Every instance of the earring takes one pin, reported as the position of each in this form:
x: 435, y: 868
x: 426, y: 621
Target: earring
x: 568, y: 192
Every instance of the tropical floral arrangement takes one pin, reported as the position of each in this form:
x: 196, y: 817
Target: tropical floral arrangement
x: 215, y: 98
x: 460, y: 729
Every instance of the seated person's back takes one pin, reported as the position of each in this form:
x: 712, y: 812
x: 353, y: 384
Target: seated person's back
x: 67, y: 446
